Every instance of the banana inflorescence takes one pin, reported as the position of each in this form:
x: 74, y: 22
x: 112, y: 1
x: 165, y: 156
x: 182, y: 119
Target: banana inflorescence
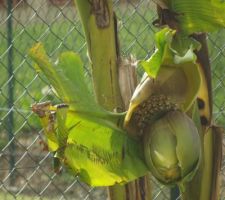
x: 169, y: 136
x: 160, y: 114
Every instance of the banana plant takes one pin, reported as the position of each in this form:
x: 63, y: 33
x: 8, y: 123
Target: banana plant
x: 167, y: 129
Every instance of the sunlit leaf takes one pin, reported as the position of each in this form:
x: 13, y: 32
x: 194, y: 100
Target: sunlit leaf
x: 100, y: 155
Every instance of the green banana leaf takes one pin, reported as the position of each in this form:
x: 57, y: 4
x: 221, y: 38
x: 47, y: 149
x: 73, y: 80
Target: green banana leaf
x: 82, y: 135
x: 197, y: 15
x: 100, y: 155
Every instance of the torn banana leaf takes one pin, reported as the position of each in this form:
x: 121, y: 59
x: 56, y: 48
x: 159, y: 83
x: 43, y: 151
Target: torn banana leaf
x: 196, y: 15
x: 174, y: 67
x: 101, y: 156
x: 85, y: 138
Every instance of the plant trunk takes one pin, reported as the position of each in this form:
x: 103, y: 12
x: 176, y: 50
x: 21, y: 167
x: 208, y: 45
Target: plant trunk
x: 100, y: 27
x: 98, y: 23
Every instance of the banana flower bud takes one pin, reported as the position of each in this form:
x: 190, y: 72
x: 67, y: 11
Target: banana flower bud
x: 172, y: 148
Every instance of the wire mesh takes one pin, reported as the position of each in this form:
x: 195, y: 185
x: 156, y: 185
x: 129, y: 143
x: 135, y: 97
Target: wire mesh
x: 25, y: 168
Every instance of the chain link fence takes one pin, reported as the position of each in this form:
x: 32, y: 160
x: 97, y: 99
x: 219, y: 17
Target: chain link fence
x: 25, y: 168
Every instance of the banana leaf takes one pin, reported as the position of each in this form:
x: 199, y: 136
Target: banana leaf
x: 84, y: 137
x: 196, y: 15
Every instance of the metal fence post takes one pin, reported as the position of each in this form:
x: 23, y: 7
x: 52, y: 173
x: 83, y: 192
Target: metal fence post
x: 10, y: 120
